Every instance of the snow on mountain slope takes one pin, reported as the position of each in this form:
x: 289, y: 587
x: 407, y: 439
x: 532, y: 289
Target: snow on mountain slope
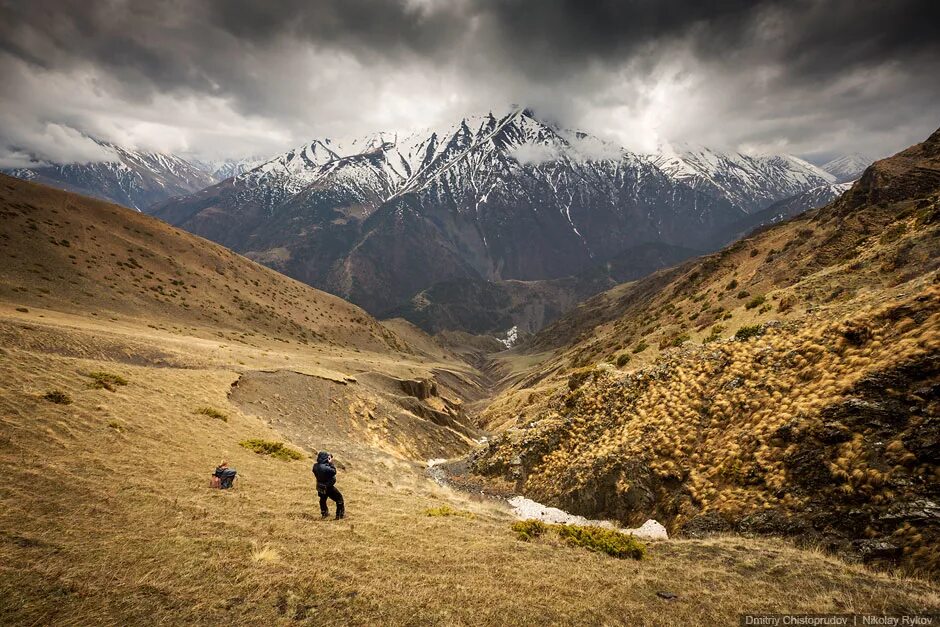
x: 221, y: 169
x: 379, y: 218
x: 382, y: 217
x: 750, y: 182
x: 133, y: 179
x: 847, y: 167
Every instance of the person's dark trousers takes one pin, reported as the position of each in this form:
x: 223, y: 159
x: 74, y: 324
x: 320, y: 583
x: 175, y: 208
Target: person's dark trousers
x: 331, y: 492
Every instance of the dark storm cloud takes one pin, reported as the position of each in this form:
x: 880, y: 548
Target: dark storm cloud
x: 797, y: 75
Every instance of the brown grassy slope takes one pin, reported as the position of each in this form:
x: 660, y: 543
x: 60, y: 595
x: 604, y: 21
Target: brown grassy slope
x: 105, y: 518
x: 74, y: 254
x: 76, y: 267
x: 825, y: 428
x: 419, y: 339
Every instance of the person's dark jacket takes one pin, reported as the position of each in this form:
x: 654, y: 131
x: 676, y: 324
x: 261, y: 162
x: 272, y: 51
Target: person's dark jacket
x: 226, y: 476
x: 324, y: 471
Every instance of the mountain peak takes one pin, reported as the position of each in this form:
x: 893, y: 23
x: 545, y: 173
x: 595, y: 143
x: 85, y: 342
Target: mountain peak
x: 847, y: 167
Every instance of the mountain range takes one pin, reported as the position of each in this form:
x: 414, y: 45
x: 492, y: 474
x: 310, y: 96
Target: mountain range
x: 384, y: 218
x: 379, y: 219
x: 750, y: 182
x: 131, y: 178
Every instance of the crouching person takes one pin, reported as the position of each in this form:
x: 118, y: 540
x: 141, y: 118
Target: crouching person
x: 325, y: 472
x: 223, y: 477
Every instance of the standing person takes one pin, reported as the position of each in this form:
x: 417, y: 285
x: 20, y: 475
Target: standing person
x: 325, y: 472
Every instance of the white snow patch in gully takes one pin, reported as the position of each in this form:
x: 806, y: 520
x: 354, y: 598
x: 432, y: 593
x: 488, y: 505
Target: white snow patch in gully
x: 526, y: 509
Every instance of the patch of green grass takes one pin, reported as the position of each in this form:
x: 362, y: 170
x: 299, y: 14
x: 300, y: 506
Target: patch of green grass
x: 212, y: 412
x: 748, y: 331
x: 757, y: 301
x: 105, y: 380
x: 601, y: 540
x: 447, y: 510
x: 622, y: 360
x: 530, y: 529
x: 613, y: 543
x: 675, y: 341
x: 58, y: 397
x: 639, y: 348
x: 278, y: 450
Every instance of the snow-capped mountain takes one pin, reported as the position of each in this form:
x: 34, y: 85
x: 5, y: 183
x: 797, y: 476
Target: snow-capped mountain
x: 221, y: 169
x: 133, y: 179
x: 750, y: 182
x: 847, y: 167
x: 379, y: 218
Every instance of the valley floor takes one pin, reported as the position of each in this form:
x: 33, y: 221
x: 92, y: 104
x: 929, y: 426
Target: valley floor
x: 106, y: 516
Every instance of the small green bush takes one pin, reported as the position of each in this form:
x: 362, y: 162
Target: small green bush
x: 275, y: 449
x: 743, y: 294
x: 715, y: 334
x: 639, y: 348
x: 674, y: 341
x: 530, y: 529
x: 58, y: 397
x: 749, y: 331
x: 105, y: 380
x: 622, y: 360
x: 447, y: 510
x: 757, y: 301
x: 601, y: 540
x: 212, y: 413
x: 733, y: 284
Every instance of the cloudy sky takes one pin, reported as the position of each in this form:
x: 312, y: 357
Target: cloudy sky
x: 215, y: 78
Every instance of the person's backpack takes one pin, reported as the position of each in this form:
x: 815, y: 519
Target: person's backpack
x: 226, y: 477
x: 215, y: 482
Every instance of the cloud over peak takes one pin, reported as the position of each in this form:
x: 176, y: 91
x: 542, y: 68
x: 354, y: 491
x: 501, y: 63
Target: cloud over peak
x: 229, y: 77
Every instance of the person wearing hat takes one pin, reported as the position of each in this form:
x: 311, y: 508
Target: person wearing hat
x: 325, y: 472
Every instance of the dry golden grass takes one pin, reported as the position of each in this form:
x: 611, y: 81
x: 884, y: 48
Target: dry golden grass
x: 105, y: 525
x: 864, y: 247
x: 106, y: 516
x: 715, y: 418
x: 699, y: 424
x: 75, y: 254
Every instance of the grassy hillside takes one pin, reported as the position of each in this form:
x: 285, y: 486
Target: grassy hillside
x: 106, y: 517
x: 92, y: 258
x: 786, y: 385
x: 881, y: 233
x: 111, y: 423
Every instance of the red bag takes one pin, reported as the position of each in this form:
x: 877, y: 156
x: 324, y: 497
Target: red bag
x: 215, y: 482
